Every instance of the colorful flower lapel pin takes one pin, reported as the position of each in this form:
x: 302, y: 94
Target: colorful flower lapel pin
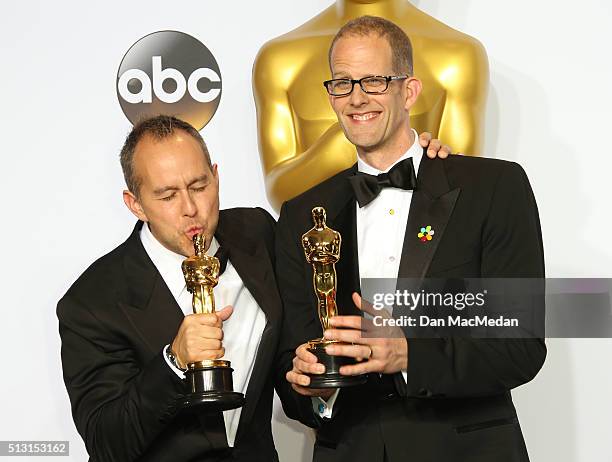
x: 426, y: 233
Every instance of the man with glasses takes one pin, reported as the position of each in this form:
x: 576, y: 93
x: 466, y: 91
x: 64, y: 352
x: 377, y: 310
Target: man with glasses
x: 373, y: 85
x: 426, y: 399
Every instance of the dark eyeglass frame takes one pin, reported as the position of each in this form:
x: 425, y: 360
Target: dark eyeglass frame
x: 387, y: 78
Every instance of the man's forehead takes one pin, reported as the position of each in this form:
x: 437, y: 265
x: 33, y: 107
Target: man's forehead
x: 159, y: 166
x: 364, y: 41
x: 178, y: 139
x: 177, y: 172
x: 170, y: 149
x: 357, y: 49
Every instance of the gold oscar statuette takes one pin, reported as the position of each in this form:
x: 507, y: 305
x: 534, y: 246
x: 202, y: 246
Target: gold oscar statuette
x: 210, y: 381
x: 322, y: 250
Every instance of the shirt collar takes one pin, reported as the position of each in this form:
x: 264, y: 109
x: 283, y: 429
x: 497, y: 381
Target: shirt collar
x: 167, y: 262
x: 415, y: 151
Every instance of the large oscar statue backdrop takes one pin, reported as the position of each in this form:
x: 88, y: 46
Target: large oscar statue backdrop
x: 300, y: 140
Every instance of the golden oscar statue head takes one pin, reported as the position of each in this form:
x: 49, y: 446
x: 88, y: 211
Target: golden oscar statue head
x: 201, y: 274
x: 300, y: 140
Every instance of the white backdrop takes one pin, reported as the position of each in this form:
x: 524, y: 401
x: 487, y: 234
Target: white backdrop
x: 62, y: 128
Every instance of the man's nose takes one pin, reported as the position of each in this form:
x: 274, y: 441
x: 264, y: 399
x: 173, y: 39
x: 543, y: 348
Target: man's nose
x: 358, y: 97
x: 190, y: 208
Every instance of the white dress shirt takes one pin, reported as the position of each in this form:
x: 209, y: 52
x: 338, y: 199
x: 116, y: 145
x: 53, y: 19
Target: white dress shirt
x: 381, y: 226
x: 241, y: 332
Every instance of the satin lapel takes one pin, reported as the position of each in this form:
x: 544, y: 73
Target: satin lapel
x: 258, y: 277
x: 151, y: 308
x: 432, y: 205
x: 342, y: 217
x: 255, y: 270
x: 253, y: 265
x: 347, y: 268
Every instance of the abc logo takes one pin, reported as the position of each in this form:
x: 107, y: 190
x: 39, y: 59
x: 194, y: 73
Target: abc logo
x: 169, y: 72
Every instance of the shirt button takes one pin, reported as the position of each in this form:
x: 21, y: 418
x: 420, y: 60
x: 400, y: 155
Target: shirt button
x: 391, y: 211
x: 391, y: 258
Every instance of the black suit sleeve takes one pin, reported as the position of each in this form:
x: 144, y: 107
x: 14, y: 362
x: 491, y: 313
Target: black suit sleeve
x: 511, y: 248
x: 296, y: 312
x: 118, y: 406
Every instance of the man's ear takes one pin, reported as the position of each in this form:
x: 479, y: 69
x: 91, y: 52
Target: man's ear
x: 215, y: 176
x: 132, y: 203
x: 413, y: 90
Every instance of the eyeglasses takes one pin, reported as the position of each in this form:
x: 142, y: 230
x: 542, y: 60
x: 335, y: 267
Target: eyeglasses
x: 373, y: 85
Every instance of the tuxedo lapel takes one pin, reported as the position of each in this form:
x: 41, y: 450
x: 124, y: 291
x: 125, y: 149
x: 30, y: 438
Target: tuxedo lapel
x: 347, y: 268
x: 342, y: 216
x: 151, y: 307
x: 253, y: 265
x: 432, y: 205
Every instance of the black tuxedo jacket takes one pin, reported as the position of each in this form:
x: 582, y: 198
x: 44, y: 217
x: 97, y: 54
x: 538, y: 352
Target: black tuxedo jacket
x: 456, y: 405
x: 114, y: 323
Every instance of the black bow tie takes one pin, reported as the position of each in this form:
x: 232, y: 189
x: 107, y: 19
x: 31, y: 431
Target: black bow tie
x: 368, y: 187
x: 222, y: 254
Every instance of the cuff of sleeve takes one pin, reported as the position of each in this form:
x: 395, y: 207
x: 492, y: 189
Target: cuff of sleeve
x: 176, y: 370
x: 426, y: 366
x: 322, y: 408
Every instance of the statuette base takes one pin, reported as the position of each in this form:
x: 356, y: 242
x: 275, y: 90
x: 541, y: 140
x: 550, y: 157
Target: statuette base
x: 332, y: 378
x: 211, y: 387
